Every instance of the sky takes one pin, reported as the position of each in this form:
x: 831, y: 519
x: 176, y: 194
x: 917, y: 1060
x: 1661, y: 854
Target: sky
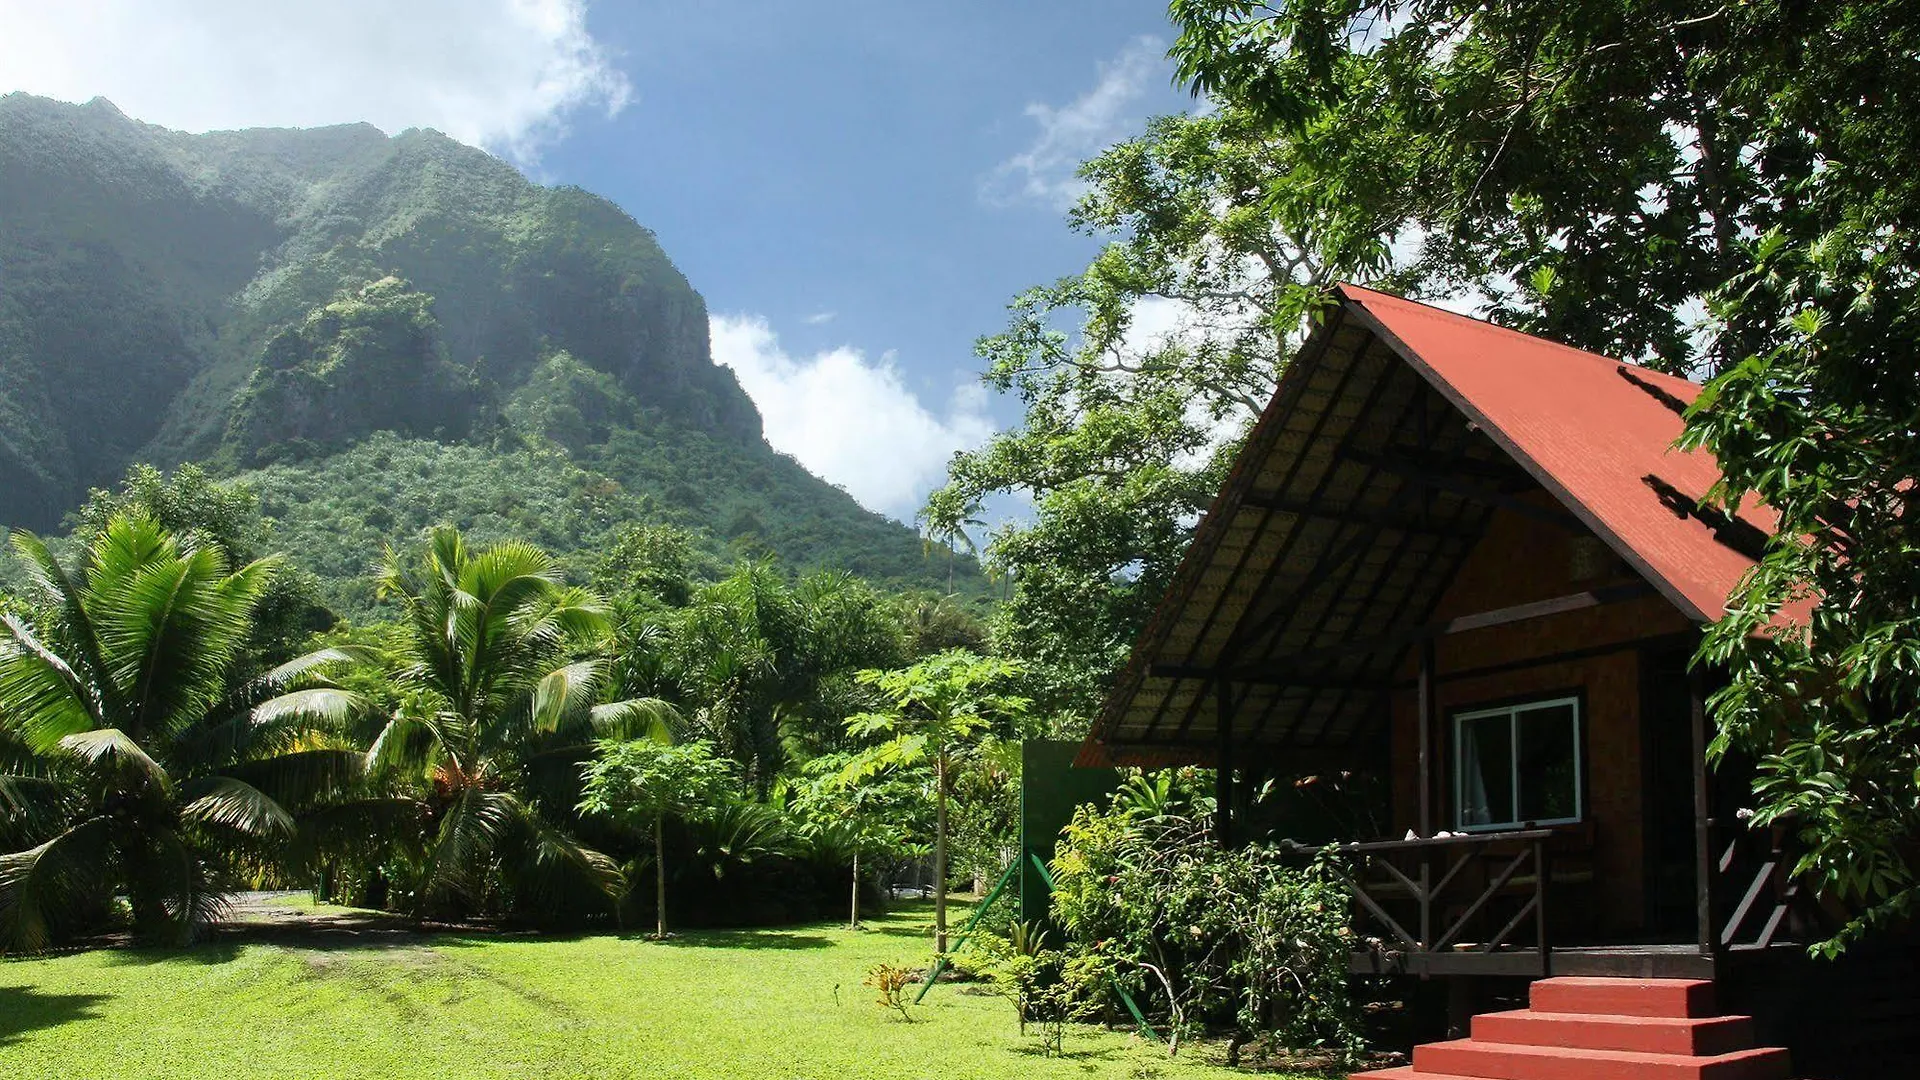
x: 857, y: 187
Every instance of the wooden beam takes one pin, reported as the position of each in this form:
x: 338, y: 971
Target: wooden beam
x: 1444, y: 477
x: 1280, y: 669
x: 1194, y: 671
x: 1380, y: 518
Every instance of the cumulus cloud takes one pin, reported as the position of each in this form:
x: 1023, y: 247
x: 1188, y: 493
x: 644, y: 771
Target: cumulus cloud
x: 502, y: 74
x: 849, y: 418
x: 1071, y: 133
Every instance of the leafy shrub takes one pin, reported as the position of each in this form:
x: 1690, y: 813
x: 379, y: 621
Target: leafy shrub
x: 1236, y: 939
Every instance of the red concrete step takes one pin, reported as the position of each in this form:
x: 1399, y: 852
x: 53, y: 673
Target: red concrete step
x: 1704, y: 1036
x: 1623, y: 997
x: 1505, y: 1061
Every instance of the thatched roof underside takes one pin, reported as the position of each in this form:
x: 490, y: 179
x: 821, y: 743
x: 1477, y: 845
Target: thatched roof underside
x: 1337, y: 528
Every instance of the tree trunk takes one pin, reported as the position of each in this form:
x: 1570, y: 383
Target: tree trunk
x: 660, y: 877
x: 940, y: 853
x: 853, y: 916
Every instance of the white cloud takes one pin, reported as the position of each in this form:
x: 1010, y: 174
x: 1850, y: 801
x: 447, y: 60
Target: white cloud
x: 503, y: 74
x: 850, y: 419
x: 1072, y: 133
x: 819, y: 318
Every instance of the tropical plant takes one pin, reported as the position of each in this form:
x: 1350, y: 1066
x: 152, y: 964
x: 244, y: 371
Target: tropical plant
x: 500, y: 706
x: 939, y: 711
x: 850, y: 817
x: 135, y: 760
x: 1142, y: 893
x: 640, y: 783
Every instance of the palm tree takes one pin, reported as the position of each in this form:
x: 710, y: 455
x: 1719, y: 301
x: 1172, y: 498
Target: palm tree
x: 502, y: 681
x: 135, y: 762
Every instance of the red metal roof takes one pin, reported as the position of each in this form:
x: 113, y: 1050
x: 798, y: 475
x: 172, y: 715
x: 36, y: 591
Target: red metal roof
x: 1596, y: 432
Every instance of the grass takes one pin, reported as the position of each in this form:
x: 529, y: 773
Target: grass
x: 763, y: 1004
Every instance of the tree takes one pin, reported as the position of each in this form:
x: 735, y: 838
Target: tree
x: 1601, y: 169
x: 639, y: 783
x: 938, y: 712
x: 1213, y: 264
x: 133, y: 760
x: 500, y: 705
x: 855, y: 815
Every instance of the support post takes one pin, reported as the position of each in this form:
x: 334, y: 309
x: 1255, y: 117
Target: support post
x: 1223, y: 764
x: 1702, y: 816
x: 1426, y: 791
x: 1426, y: 738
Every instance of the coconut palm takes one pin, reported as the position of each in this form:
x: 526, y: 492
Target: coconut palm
x: 501, y: 684
x: 131, y: 760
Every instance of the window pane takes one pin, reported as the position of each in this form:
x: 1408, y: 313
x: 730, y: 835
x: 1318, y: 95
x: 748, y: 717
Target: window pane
x: 1486, y: 770
x: 1549, y: 780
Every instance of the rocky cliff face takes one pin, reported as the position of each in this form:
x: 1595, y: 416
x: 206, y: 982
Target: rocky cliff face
x: 147, y: 275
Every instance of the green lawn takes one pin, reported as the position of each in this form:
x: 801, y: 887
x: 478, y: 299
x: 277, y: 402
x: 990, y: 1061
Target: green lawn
x: 760, y: 1004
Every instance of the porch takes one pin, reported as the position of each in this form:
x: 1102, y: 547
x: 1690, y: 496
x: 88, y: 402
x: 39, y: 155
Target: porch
x: 1517, y: 903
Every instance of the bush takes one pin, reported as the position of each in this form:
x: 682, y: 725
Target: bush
x: 1239, y: 940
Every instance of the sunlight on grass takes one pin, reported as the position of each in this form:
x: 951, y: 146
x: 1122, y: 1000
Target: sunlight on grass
x: 760, y: 1004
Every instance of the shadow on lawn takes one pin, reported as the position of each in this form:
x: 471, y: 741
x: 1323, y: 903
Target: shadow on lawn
x: 24, y: 1009
x: 748, y: 939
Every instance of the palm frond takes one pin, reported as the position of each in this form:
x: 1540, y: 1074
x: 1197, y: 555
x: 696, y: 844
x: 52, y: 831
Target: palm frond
x: 468, y: 832
x: 564, y: 692
x: 60, y: 591
x: 637, y: 718
x: 59, y: 875
x: 46, y: 698
x: 112, y: 746
x: 234, y: 804
x: 300, y: 778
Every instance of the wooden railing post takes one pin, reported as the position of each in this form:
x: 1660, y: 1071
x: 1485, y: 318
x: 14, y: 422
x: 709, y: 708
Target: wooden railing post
x: 1702, y: 817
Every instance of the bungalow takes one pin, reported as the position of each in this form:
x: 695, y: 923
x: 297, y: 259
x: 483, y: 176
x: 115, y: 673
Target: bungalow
x: 1457, y: 575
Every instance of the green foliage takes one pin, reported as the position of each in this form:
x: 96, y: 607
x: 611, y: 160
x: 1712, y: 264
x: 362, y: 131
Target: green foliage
x: 276, y: 298
x: 501, y: 700
x: 1635, y: 164
x: 1212, y: 263
x: 636, y: 782
x: 371, y: 360
x: 639, y: 783
x: 1143, y: 892
x: 940, y: 712
x: 131, y: 759
x: 197, y: 509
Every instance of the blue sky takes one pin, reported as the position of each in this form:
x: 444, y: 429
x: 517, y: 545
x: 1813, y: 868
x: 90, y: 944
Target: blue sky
x: 857, y: 187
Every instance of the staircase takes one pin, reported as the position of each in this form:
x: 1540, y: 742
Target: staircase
x: 1602, y: 1029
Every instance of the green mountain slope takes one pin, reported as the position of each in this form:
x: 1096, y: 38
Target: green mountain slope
x: 299, y: 305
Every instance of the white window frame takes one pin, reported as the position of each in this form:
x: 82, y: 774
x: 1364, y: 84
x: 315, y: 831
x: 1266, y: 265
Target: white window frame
x: 1513, y: 713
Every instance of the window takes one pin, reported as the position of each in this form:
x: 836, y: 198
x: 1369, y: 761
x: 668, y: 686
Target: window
x: 1517, y: 765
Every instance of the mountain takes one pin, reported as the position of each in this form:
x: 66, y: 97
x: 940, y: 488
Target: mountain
x: 377, y: 332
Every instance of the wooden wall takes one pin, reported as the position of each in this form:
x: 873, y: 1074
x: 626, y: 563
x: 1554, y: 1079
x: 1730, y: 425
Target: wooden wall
x: 1523, y: 559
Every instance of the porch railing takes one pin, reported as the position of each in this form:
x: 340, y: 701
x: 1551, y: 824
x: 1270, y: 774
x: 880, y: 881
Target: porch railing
x: 1441, y: 887
x: 1757, y: 902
